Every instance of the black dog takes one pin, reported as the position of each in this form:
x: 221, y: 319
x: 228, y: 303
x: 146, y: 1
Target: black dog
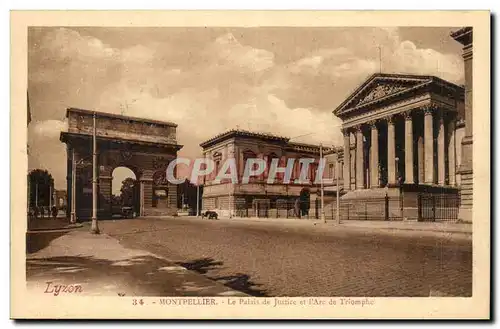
x: 209, y: 214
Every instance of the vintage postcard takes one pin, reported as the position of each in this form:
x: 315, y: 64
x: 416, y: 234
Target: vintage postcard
x: 258, y: 165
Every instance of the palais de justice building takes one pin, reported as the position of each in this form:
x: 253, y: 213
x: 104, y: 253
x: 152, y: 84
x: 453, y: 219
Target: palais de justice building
x: 402, y: 135
x: 257, y: 198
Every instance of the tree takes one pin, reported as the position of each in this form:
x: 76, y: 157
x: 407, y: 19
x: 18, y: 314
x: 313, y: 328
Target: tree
x: 41, y: 187
x: 127, y: 192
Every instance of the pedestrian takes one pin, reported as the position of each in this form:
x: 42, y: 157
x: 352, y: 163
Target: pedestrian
x: 42, y: 212
x: 297, y: 208
x: 54, y: 212
x: 36, y: 212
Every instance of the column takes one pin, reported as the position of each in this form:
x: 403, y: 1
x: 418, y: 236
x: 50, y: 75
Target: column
x: 374, y: 161
x: 428, y: 145
x: 391, y: 151
x: 451, y: 152
x: 172, y: 196
x: 360, y: 181
x: 105, y: 194
x: 440, y: 149
x: 146, y: 195
x: 347, y: 160
x: 141, y: 198
x: 409, y: 177
x: 352, y: 153
x: 421, y: 159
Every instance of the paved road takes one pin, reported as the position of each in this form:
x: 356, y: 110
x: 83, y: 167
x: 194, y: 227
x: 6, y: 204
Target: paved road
x: 286, y: 260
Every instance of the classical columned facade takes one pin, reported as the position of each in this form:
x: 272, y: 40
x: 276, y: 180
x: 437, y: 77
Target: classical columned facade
x: 400, y: 138
x: 401, y: 164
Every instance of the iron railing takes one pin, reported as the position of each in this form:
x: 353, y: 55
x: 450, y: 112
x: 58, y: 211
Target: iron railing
x: 418, y: 206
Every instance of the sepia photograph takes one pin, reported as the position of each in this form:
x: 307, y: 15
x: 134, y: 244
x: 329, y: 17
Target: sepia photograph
x: 252, y: 166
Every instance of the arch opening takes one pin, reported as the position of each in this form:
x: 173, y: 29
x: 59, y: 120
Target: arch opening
x: 125, y: 193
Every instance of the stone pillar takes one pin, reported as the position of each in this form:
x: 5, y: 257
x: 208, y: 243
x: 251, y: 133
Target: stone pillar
x: 360, y: 181
x: 421, y: 159
x: 374, y: 160
x: 451, y: 152
x: 465, y: 37
x: 172, y: 196
x: 391, y: 152
x: 352, y: 153
x: 146, y: 183
x: 347, y: 160
x: 141, y: 198
x: 409, y: 175
x: 105, y: 192
x: 428, y: 145
x: 441, y: 164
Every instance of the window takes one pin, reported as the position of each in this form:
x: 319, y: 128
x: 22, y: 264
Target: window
x: 269, y: 161
x: 248, y: 155
x: 217, y: 157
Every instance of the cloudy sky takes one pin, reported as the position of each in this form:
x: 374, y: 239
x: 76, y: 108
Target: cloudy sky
x: 208, y: 80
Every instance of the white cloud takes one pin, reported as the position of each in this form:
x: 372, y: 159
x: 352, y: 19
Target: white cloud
x: 48, y: 128
x: 67, y: 43
x: 410, y: 59
x: 228, y: 50
x: 138, y: 54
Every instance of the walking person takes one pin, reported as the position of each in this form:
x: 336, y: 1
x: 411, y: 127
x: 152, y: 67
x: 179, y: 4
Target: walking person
x: 36, y: 212
x: 42, y: 212
x: 297, y: 208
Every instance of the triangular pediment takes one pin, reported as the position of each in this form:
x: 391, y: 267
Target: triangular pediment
x: 380, y: 87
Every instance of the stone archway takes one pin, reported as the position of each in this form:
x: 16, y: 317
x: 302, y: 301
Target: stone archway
x: 145, y: 146
x: 125, y: 192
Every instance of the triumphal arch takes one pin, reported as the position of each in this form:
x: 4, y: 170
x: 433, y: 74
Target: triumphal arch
x: 144, y: 146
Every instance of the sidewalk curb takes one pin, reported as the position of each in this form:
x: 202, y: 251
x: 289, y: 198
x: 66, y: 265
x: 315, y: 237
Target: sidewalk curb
x: 331, y: 224
x: 52, y: 229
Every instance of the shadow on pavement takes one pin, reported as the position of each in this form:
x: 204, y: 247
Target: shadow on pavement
x: 143, y: 275
x: 239, y: 281
x: 201, y: 266
x: 38, y: 240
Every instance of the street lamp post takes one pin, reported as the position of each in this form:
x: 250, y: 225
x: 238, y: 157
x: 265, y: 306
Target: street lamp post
x: 95, y: 227
x: 323, y: 218
x: 50, y: 196
x: 337, y: 213
x: 229, y: 199
x: 198, y: 199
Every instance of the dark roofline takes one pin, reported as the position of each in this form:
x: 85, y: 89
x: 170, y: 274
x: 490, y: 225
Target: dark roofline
x: 306, y: 147
x: 242, y: 133
x: 461, y: 33
x: 119, y: 116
